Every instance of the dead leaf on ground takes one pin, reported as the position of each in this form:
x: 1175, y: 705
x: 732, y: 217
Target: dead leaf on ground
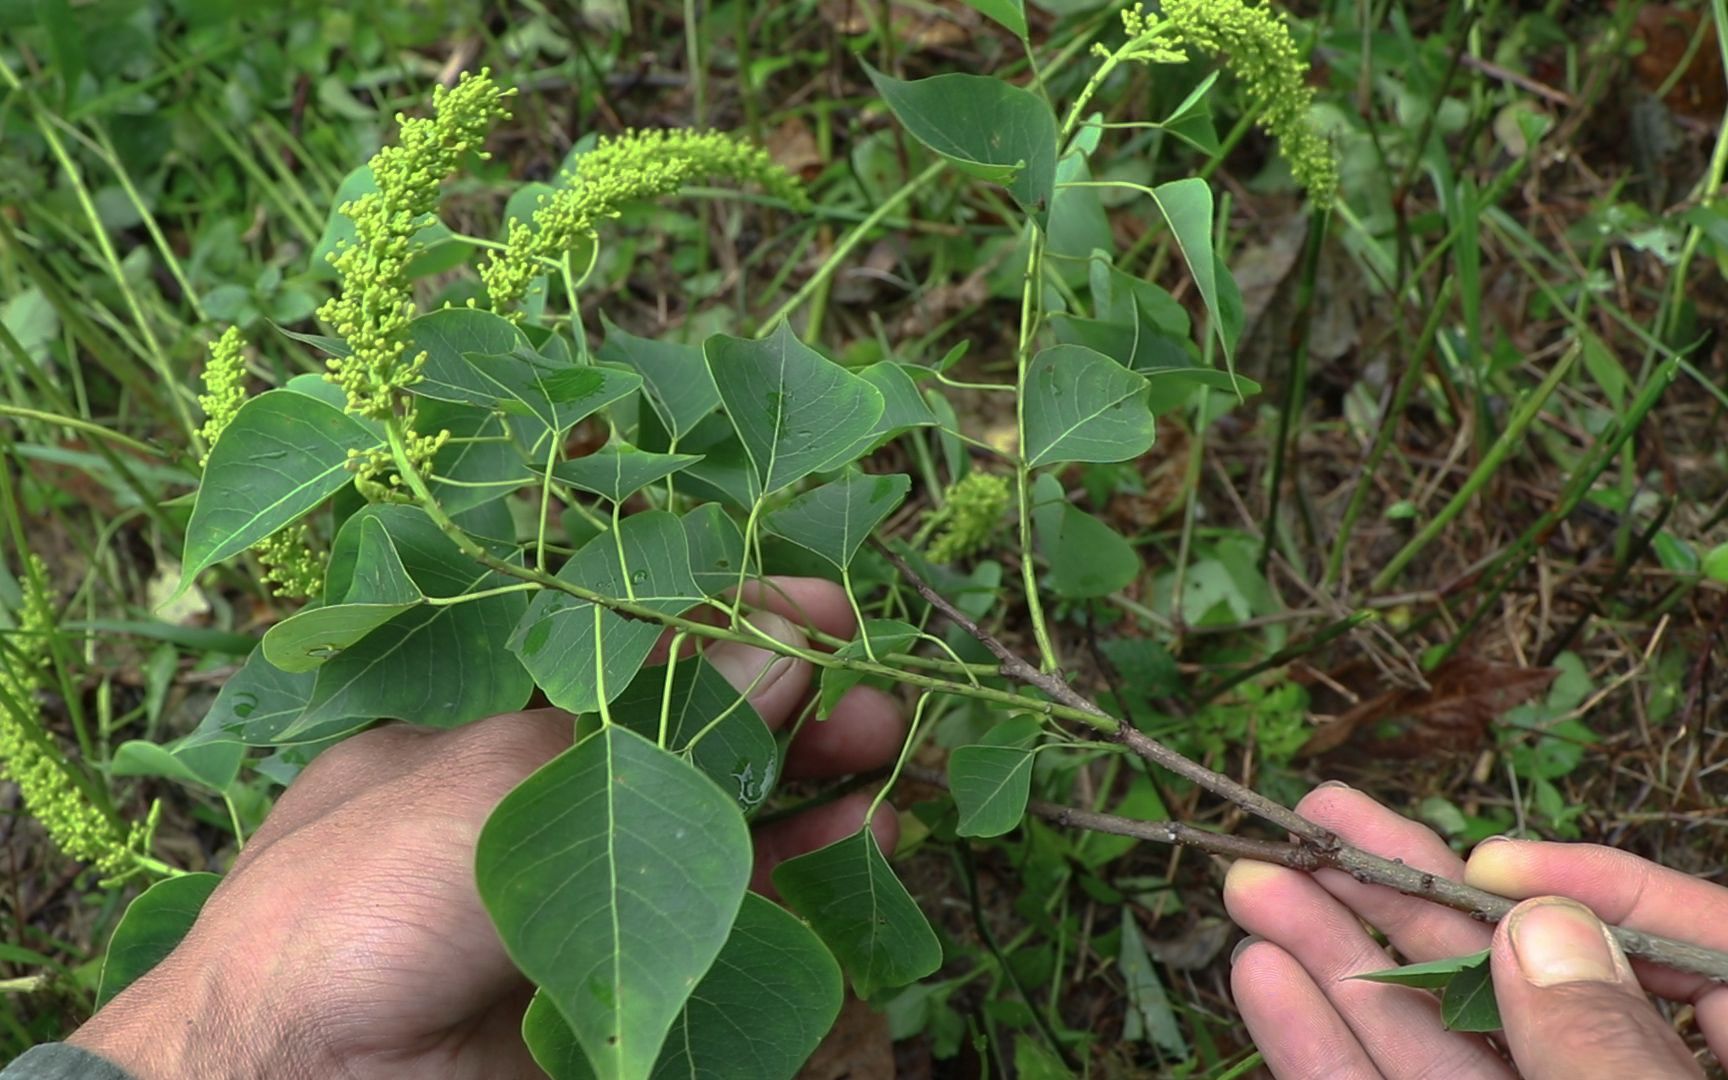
x: 1465, y: 696
x: 1666, y: 33
x: 793, y: 147
x: 859, y: 1046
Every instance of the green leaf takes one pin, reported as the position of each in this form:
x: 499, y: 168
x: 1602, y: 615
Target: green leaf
x: 904, y: 406
x: 1083, y: 406
x: 884, y: 636
x: 255, y: 705
x: 734, y: 748
x: 435, y: 248
x: 1468, y: 1003
x: 1191, y: 121
x: 614, y: 875
x: 573, y: 647
x: 620, y: 471
x: 758, y: 1014
x: 987, y: 127
x: 1149, y: 1016
x: 1187, y: 207
x: 675, y: 380
x: 448, y: 335
x: 1431, y: 975
x: 1087, y: 557
x: 1009, y: 13
x: 716, y: 548
x: 991, y: 785
x: 380, y: 590
x: 552, y: 1043
x: 283, y: 454
x: 153, y: 925
x: 559, y: 394
x: 853, y: 901
x: 793, y: 408
x: 835, y: 519
x: 212, y: 765
x: 1714, y: 565
x: 461, y: 669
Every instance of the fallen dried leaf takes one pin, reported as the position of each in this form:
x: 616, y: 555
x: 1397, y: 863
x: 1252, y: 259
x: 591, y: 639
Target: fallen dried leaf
x: 1465, y: 696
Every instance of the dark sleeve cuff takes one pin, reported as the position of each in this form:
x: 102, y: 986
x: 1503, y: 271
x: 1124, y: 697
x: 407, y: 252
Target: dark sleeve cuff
x: 58, y: 1061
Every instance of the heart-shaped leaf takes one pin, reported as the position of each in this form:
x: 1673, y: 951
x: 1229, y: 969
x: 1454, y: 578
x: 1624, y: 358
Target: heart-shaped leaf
x: 758, y: 1014
x: 852, y: 899
x: 1083, y: 406
x: 281, y: 455
x: 378, y: 591
x: 153, y: 925
x: 794, y: 409
x: 675, y: 379
x: 575, y: 649
x: 835, y: 519
x: 462, y: 669
x: 987, y: 127
x: 733, y: 747
x: 614, y: 875
x: 619, y: 471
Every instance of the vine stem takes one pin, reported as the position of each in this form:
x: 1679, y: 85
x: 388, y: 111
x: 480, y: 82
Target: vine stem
x: 1315, y: 847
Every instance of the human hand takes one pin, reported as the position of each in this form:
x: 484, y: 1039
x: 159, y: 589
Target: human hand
x: 1572, y: 1006
x: 349, y: 939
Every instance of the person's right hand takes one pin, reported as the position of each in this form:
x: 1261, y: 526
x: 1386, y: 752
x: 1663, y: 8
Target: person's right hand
x: 1572, y: 1005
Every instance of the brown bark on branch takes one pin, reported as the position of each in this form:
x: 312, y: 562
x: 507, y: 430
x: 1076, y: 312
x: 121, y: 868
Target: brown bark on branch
x: 1314, y: 847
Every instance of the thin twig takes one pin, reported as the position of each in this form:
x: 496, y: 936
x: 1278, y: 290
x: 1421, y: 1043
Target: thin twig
x: 1315, y: 847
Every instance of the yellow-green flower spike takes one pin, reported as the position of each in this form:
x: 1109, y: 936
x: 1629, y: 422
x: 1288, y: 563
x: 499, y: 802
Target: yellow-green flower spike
x: 969, y: 516
x: 29, y: 755
x: 224, y: 384
x: 1263, y: 57
x: 620, y: 170
x: 293, y: 565
x: 372, y: 310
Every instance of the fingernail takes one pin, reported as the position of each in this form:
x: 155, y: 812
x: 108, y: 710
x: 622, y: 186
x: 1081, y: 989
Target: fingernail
x: 1497, y: 838
x: 1331, y: 785
x: 741, y: 664
x: 1242, y: 946
x: 1559, y: 941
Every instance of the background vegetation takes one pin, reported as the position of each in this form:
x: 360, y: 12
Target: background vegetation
x: 1468, y: 550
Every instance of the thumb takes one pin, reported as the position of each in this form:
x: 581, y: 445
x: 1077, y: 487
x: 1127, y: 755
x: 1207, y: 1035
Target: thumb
x: 1572, y: 1007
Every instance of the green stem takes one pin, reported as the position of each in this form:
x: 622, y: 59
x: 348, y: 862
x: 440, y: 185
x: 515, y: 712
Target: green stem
x: 76, y: 424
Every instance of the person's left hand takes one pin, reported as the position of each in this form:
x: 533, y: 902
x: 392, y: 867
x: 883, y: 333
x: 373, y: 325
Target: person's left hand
x: 349, y: 939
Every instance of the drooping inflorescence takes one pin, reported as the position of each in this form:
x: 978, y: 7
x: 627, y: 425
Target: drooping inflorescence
x: 374, y: 305
x: 1264, y: 59
x: 619, y: 170
x: 29, y: 755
